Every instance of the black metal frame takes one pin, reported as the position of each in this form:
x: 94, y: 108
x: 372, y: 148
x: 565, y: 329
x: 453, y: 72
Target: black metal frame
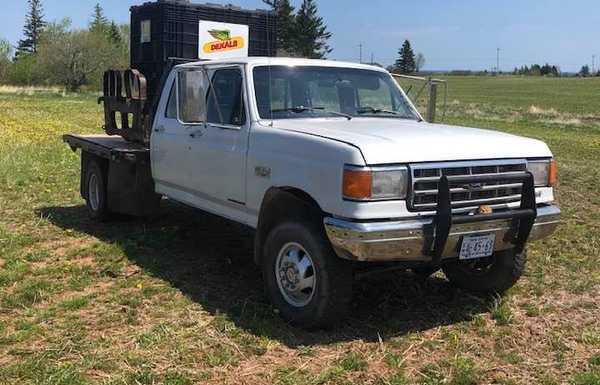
x: 132, y: 102
x: 523, y: 218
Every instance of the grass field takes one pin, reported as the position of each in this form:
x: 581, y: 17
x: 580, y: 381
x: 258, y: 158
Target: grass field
x: 178, y: 301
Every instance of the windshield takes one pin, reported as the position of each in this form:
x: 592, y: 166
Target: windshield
x: 309, y: 91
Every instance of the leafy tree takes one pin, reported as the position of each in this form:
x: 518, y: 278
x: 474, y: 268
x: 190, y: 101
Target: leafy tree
x: 34, y: 26
x: 99, y: 23
x: 76, y: 58
x: 419, y: 62
x: 125, y: 30
x: 311, y: 32
x: 286, y: 22
x: 406, y: 61
x: 26, y: 71
x: 5, y: 62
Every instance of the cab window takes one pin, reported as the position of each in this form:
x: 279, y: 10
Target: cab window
x: 192, y: 86
x: 225, y: 98
x: 171, y: 111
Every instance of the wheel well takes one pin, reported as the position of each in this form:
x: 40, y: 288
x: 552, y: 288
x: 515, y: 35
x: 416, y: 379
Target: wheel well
x: 279, y: 204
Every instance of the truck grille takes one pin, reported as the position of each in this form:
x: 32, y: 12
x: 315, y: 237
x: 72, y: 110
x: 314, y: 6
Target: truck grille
x: 425, y: 178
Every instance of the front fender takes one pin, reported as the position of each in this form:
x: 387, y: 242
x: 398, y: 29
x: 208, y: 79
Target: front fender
x: 313, y: 164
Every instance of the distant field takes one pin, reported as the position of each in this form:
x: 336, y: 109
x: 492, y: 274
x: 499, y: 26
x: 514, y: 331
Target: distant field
x: 178, y: 301
x: 567, y: 95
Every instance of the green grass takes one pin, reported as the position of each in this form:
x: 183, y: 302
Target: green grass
x: 178, y: 300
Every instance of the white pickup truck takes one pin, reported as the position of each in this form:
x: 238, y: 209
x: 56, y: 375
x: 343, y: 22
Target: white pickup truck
x: 336, y: 170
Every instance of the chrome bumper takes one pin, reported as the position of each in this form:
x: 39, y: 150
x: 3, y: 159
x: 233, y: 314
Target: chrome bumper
x: 411, y: 240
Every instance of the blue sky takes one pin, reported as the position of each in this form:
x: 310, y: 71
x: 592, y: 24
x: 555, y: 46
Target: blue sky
x: 451, y: 34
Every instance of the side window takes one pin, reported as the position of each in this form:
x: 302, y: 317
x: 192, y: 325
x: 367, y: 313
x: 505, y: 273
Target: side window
x: 225, y: 98
x: 192, y: 86
x: 146, y: 31
x: 171, y: 111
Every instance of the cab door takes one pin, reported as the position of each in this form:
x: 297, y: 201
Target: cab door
x: 180, y: 116
x: 218, y: 153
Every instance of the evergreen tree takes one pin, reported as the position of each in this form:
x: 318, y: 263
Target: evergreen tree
x: 99, y: 22
x: 311, y: 33
x: 584, y: 71
x: 114, y: 34
x: 406, y: 61
x: 545, y: 69
x: 286, y: 23
x: 34, y: 26
x: 535, y: 70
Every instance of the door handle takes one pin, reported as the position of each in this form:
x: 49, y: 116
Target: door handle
x: 159, y: 129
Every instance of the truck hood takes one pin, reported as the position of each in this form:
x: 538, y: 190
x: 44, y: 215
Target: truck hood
x: 385, y: 141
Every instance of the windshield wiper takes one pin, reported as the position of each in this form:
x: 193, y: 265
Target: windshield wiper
x: 301, y: 109
x: 373, y: 110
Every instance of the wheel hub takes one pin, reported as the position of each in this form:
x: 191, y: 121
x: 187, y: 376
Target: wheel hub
x: 295, y: 275
x: 291, y: 275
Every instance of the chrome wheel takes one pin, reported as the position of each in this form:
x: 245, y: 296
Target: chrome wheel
x: 94, y: 192
x: 295, y: 275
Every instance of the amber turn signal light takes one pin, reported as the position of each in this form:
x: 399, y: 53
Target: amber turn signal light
x: 357, y: 184
x: 552, y: 174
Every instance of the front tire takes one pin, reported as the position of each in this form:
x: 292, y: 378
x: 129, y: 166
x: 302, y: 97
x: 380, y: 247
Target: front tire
x: 495, y: 274
x: 304, y: 278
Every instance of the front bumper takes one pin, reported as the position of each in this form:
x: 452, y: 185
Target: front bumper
x: 412, y: 240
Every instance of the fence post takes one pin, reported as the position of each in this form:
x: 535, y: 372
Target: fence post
x: 432, y: 86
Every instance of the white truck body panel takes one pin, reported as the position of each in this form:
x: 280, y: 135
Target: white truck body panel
x: 219, y: 170
x: 389, y: 141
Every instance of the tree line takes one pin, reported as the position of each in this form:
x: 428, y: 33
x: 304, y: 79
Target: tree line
x: 550, y: 70
x: 54, y: 53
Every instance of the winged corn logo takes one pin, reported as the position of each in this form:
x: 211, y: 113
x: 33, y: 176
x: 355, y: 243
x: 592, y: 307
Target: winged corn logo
x: 221, y: 35
x: 224, y: 41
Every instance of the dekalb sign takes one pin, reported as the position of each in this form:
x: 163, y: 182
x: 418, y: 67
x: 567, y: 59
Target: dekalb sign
x: 222, y: 40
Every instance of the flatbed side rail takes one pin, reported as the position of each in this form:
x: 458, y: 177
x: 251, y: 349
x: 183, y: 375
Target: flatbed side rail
x: 523, y: 218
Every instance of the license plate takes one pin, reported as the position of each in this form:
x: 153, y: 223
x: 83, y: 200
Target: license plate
x: 477, y: 246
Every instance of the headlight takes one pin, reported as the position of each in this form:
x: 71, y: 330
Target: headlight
x: 363, y: 183
x: 544, y: 172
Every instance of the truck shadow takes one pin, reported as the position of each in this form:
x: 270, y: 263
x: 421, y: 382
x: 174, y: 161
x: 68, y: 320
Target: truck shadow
x: 209, y: 259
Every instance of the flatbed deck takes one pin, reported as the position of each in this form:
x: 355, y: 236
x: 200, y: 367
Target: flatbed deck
x: 126, y: 172
x: 108, y: 147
